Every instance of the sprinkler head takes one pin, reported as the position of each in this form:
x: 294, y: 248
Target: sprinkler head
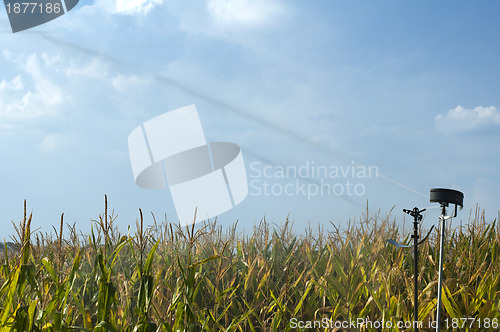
x: 447, y: 196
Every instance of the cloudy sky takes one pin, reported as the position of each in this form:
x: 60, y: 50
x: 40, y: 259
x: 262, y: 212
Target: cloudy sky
x: 408, y: 90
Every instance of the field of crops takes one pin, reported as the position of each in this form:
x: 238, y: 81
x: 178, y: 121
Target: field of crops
x: 166, y: 278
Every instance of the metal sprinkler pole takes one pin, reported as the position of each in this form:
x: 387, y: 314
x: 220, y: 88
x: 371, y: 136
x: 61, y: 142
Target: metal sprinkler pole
x: 444, y: 197
x: 415, y: 270
x: 440, y: 279
x: 417, y: 216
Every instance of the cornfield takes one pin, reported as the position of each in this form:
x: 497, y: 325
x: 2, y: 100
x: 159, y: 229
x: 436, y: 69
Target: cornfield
x: 168, y: 278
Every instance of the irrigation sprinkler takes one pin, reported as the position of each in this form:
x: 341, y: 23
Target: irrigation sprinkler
x: 417, y: 217
x: 444, y: 197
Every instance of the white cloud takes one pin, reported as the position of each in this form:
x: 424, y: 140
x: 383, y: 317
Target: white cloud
x: 96, y: 69
x: 246, y: 22
x: 126, y: 7
x: 244, y: 12
x: 58, y: 86
x: 462, y: 119
x: 135, y: 7
x: 130, y: 83
x: 31, y: 94
x: 16, y: 84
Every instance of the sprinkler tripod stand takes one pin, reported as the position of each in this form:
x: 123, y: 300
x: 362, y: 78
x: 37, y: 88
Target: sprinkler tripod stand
x: 444, y: 197
x: 417, y: 217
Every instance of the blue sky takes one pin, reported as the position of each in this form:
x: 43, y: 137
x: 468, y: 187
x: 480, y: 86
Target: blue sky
x: 411, y: 88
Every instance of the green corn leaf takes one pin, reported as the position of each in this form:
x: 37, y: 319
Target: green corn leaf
x: 149, y: 260
x: 278, y: 302
x: 50, y: 269
x: 298, y: 307
x: 31, y: 313
x: 450, y: 304
x: 7, y: 305
x: 108, y: 326
x: 116, y: 252
x: 206, y: 260
x: 236, y: 322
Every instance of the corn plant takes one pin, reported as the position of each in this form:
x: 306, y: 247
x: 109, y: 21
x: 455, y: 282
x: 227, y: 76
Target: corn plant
x: 165, y: 277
